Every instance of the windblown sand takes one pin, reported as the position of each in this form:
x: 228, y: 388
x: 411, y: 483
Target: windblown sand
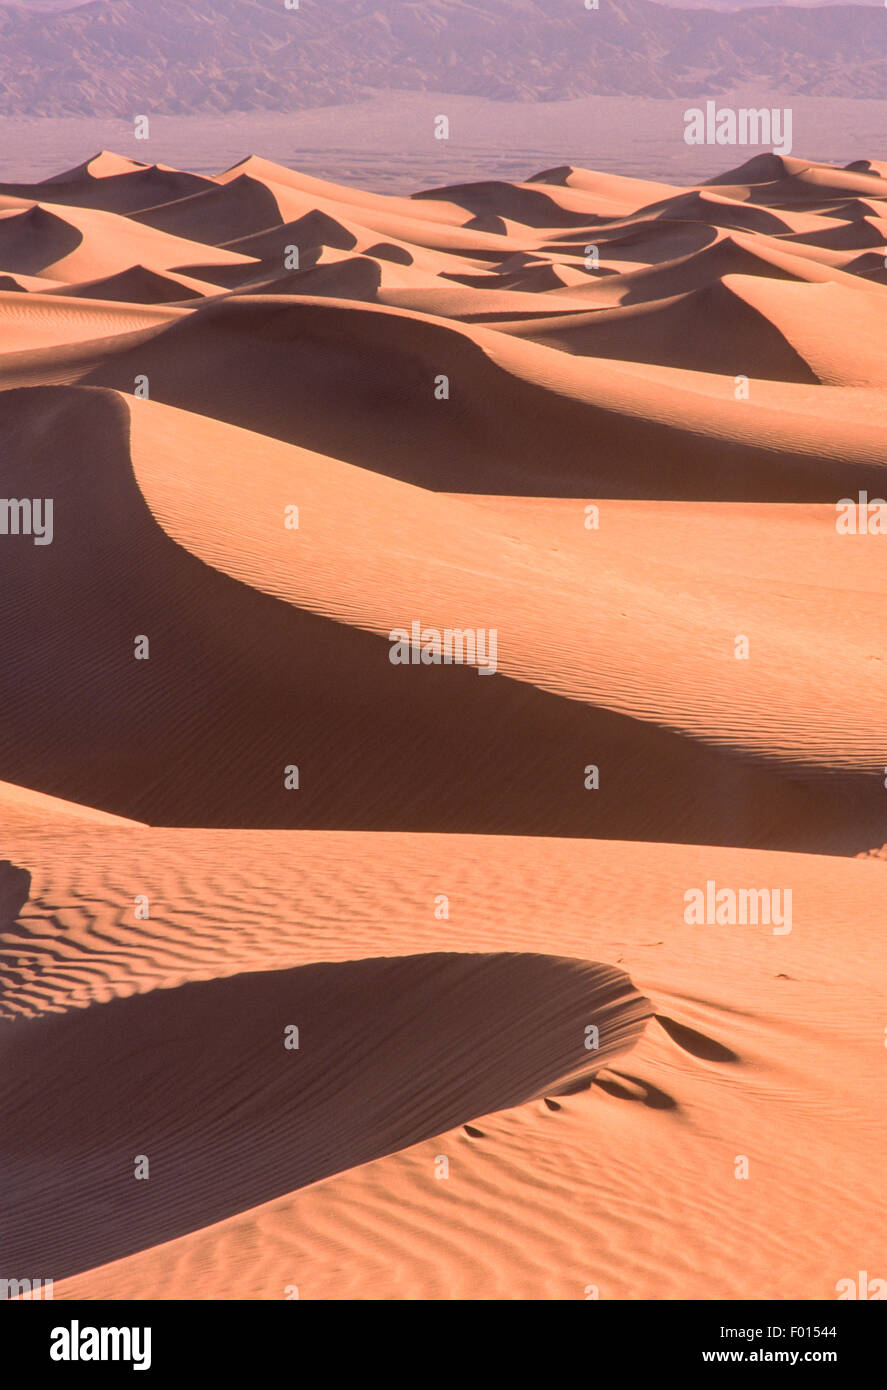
x: 608, y: 420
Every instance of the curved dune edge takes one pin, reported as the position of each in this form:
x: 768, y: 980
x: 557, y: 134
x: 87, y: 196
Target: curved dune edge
x: 20, y: 806
x: 525, y: 418
x: 483, y: 1033
x: 753, y: 754
x: 458, y: 564
x: 576, y: 1187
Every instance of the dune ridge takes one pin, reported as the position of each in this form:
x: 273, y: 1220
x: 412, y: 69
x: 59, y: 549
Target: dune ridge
x: 610, y: 428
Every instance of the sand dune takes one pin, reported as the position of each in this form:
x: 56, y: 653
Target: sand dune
x: 546, y: 335
x: 772, y: 179
x: 340, y: 1112
x: 613, y: 189
x: 39, y: 321
x: 104, y: 165
x: 604, y: 424
x: 792, y: 331
x: 139, y: 285
x: 249, y: 205
x: 718, y: 211
x: 21, y: 807
x: 626, y: 282
x: 112, y: 184
x: 379, y: 279
x: 594, y: 428
x: 771, y: 756
x: 523, y: 203
x: 318, y: 230
x: 322, y: 191
x: 79, y: 244
x: 764, y: 1047
x: 663, y: 331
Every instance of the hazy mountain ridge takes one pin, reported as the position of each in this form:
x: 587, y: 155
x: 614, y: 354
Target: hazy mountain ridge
x: 121, y: 57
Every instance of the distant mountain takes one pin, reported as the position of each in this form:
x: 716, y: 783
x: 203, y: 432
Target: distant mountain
x: 696, y: 4
x: 126, y: 57
x: 44, y: 5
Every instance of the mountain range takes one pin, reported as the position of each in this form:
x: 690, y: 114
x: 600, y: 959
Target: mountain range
x: 118, y: 58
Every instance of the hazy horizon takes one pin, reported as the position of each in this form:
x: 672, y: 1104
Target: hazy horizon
x: 384, y: 143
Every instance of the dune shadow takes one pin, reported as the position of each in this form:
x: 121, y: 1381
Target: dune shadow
x: 697, y: 1044
x: 15, y: 889
x: 36, y: 238
x: 240, y: 684
x: 232, y: 1108
x: 625, y: 1086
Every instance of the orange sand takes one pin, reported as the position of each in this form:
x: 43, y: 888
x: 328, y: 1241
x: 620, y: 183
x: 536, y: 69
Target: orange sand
x: 443, y: 907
